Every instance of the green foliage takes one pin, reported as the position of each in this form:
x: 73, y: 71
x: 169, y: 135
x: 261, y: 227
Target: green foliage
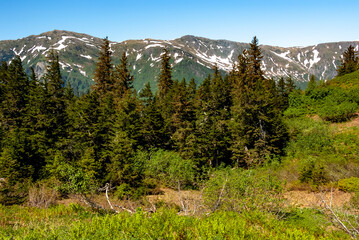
x: 243, y: 190
x: 350, y: 61
x: 169, y: 168
x: 311, y: 137
x: 74, y: 179
x: 313, y: 172
x: 349, y: 184
x: 257, y: 127
x: 334, y: 101
x: 104, y: 81
x: 338, y: 112
x: 165, y: 78
x: 74, y: 222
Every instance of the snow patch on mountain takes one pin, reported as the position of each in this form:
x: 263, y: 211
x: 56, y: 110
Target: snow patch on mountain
x: 154, y: 45
x: 283, y: 55
x: 83, y: 72
x: 153, y: 59
x: 139, y: 55
x: 38, y: 48
x: 21, y: 50
x: 61, y: 43
x: 315, y: 59
x: 86, y: 56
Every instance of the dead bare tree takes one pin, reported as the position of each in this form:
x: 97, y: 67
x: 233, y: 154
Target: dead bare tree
x: 338, y: 217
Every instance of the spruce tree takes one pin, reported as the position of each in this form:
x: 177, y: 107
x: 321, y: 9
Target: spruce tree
x: 103, y: 71
x: 209, y: 142
x: 122, y: 78
x: 165, y: 79
x: 350, y: 61
x: 312, y: 84
x: 53, y: 79
x: 257, y: 127
x: 15, y: 92
x: 152, y: 123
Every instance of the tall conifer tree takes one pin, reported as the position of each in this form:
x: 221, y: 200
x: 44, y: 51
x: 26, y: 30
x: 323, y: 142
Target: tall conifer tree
x: 257, y: 128
x: 165, y: 79
x: 350, y: 61
x: 103, y: 71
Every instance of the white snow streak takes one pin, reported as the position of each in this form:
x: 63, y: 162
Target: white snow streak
x: 83, y: 72
x: 316, y: 59
x: 61, y: 43
x: 86, y: 56
x: 138, y: 56
x: 178, y: 60
x: 283, y: 55
x: 154, y: 45
x: 38, y: 48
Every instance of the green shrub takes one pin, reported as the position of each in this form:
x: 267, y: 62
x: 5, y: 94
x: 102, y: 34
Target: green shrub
x: 243, y: 190
x: 309, y: 137
x: 170, y: 169
x: 349, y: 184
x: 294, y: 112
x: 338, y: 112
x: 313, y: 172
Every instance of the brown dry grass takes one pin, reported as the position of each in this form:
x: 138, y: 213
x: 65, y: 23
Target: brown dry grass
x: 313, y: 199
x: 190, y: 201
x: 345, y: 126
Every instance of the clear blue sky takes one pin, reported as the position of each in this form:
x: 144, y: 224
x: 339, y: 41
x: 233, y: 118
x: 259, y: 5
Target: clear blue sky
x: 278, y: 22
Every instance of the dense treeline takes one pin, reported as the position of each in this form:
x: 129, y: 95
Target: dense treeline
x: 48, y: 132
x: 114, y: 133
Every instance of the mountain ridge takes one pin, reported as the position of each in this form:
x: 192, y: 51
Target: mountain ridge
x: 192, y: 57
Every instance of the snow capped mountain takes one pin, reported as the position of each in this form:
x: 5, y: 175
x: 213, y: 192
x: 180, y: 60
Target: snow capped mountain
x: 193, y: 57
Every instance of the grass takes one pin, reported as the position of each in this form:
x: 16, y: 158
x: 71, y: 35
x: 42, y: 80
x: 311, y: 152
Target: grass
x: 75, y: 222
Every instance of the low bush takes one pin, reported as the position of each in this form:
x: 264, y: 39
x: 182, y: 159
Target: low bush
x: 72, y: 222
x: 42, y: 194
x: 169, y: 168
x: 349, y: 184
x: 313, y: 172
x: 338, y: 112
x: 243, y: 190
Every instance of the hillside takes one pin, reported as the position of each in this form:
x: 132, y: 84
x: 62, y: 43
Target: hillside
x: 192, y: 57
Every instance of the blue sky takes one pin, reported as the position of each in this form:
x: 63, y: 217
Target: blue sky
x: 278, y: 22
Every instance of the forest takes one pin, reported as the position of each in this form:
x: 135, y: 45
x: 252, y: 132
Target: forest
x: 240, y: 141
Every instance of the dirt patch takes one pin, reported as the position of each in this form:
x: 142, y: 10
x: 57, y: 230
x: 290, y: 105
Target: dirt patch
x: 313, y: 199
x: 189, y: 201
x: 353, y: 123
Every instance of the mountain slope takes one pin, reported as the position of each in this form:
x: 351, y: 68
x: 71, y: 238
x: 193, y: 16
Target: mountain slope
x: 193, y: 57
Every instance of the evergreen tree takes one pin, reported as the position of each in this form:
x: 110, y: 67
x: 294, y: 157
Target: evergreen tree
x: 312, y: 84
x: 192, y: 87
x: 122, y: 78
x: 152, y: 125
x: 54, y: 82
x: 15, y: 91
x: 209, y: 143
x: 88, y: 134
x: 350, y: 61
x: 165, y: 79
x: 54, y: 103
x: 103, y: 71
x: 257, y: 127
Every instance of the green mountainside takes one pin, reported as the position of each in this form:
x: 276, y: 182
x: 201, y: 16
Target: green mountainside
x: 192, y: 57
x: 239, y: 154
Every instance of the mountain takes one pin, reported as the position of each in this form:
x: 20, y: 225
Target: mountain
x: 193, y: 57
